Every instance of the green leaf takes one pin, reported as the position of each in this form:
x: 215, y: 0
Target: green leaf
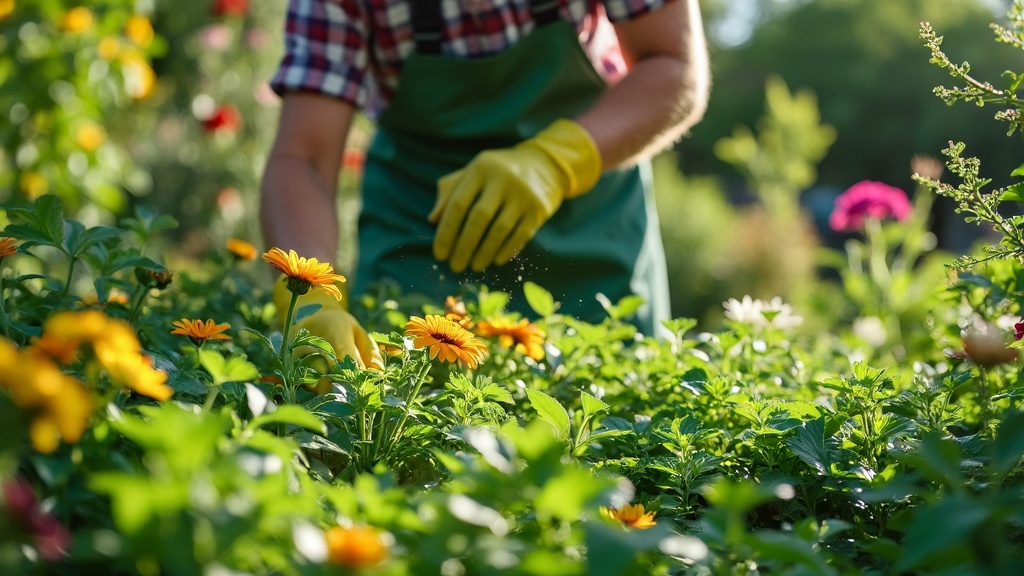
x: 939, y: 526
x: 552, y: 412
x: 808, y: 443
x: 539, y: 299
x: 1019, y: 170
x: 290, y: 414
x: 1013, y: 193
x: 592, y: 405
x: 1008, y: 446
x: 305, y: 312
x: 234, y: 369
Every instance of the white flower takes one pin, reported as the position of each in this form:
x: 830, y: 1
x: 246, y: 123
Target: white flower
x: 761, y: 314
x: 871, y: 330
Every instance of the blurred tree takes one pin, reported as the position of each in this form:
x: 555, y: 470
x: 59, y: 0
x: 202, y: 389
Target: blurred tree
x: 870, y: 71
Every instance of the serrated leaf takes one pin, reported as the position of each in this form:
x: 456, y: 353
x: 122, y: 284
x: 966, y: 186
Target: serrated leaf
x: 1013, y: 193
x: 552, y: 412
x: 808, y: 443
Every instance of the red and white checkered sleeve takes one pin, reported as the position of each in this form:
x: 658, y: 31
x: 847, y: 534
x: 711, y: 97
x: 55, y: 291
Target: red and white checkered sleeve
x: 326, y: 51
x: 620, y: 10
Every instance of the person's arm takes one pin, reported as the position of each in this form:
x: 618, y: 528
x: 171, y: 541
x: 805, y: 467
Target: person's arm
x: 298, y: 194
x: 665, y: 91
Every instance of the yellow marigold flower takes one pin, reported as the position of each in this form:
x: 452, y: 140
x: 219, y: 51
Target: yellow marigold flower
x: 84, y: 326
x: 90, y: 136
x: 108, y: 48
x: 33, y: 185
x: 631, y: 515
x: 304, y: 274
x: 139, y: 78
x: 198, y: 332
x: 446, y: 340
x: 355, y: 547
x: 62, y: 350
x: 139, y: 30
x: 134, y: 371
x: 241, y: 249
x: 525, y: 337
x: 8, y: 246
x: 78, y: 19
x: 6, y: 8
x: 60, y: 405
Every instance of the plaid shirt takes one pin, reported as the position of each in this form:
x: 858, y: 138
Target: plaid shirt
x: 354, y: 49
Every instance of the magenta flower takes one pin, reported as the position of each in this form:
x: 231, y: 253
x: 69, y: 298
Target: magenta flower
x: 39, y: 527
x: 868, y: 199
x: 1018, y: 330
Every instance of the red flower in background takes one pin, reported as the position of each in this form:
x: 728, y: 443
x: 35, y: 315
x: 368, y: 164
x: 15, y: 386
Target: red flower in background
x: 868, y: 199
x: 47, y: 534
x: 223, y: 118
x: 229, y: 7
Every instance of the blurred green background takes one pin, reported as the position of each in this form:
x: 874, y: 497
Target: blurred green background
x: 117, y: 103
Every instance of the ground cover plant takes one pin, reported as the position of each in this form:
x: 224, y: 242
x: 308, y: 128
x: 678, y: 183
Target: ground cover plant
x: 157, y: 420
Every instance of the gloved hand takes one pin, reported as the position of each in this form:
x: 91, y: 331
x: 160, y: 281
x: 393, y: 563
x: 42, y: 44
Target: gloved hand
x: 332, y: 323
x: 508, y: 194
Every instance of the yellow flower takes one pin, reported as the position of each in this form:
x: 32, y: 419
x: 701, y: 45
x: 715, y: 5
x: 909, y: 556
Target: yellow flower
x: 525, y: 337
x: 59, y: 404
x: 33, y: 185
x: 241, y: 249
x: 62, y: 350
x: 446, y: 340
x: 355, y: 547
x: 108, y: 48
x: 139, y: 30
x: 6, y: 8
x: 76, y: 20
x: 8, y: 246
x: 134, y: 371
x: 304, y: 273
x: 631, y: 515
x: 139, y: 78
x: 90, y: 136
x: 199, y: 332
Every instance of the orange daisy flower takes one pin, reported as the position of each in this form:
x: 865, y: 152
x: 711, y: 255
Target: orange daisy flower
x: 455, y: 309
x: 8, y: 246
x: 241, y: 249
x: 525, y: 337
x: 446, y: 340
x: 199, y: 332
x: 355, y: 547
x: 304, y: 273
x: 631, y: 515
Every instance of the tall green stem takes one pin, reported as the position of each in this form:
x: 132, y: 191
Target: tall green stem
x: 71, y: 274
x: 395, y: 433
x: 284, y: 356
x: 3, y: 311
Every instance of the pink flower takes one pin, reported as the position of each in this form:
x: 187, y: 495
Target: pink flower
x: 868, y: 199
x: 1018, y: 330
x: 216, y: 37
x: 51, y: 539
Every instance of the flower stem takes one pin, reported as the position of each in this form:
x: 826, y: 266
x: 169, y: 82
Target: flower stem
x: 284, y: 356
x: 421, y: 377
x: 3, y: 311
x: 71, y: 274
x: 137, y: 299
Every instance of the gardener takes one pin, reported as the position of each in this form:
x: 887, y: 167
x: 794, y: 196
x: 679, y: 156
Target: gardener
x: 511, y: 144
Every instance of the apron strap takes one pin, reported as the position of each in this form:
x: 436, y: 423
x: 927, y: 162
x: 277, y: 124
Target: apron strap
x: 428, y: 23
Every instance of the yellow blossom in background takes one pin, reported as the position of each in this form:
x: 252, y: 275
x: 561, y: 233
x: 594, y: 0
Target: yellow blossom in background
x: 90, y: 136
x: 304, y: 273
x: 60, y: 405
x: 8, y: 246
x: 113, y: 297
x: 355, y: 547
x: 33, y: 185
x: 241, y: 249
x: 139, y: 30
x: 446, y: 340
x: 59, y: 349
x: 78, y: 327
x: 6, y: 8
x: 455, y: 309
x: 199, y: 332
x: 76, y: 20
x: 108, y: 48
x: 139, y: 78
x: 631, y: 515
x: 134, y: 371
x: 525, y: 337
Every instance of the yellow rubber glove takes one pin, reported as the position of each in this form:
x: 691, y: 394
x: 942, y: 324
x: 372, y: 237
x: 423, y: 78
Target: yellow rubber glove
x: 487, y: 211
x: 332, y: 323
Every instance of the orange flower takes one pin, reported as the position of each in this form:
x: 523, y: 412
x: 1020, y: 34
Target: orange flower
x: 446, y: 339
x: 60, y: 405
x: 76, y: 20
x: 356, y: 547
x: 525, y: 337
x: 6, y: 8
x: 199, y: 332
x: 241, y: 249
x: 304, y: 274
x: 90, y: 136
x: 139, y: 30
x: 631, y: 515
x: 8, y: 246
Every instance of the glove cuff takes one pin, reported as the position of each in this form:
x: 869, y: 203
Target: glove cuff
x: 573, y: 150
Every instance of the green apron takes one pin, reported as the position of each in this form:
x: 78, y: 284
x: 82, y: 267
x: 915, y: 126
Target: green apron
x: 447, y: 110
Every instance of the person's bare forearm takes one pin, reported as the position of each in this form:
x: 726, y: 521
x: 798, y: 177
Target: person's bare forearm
x: 298, y: 194
x: 298, y: 209
x: 662, y: 96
